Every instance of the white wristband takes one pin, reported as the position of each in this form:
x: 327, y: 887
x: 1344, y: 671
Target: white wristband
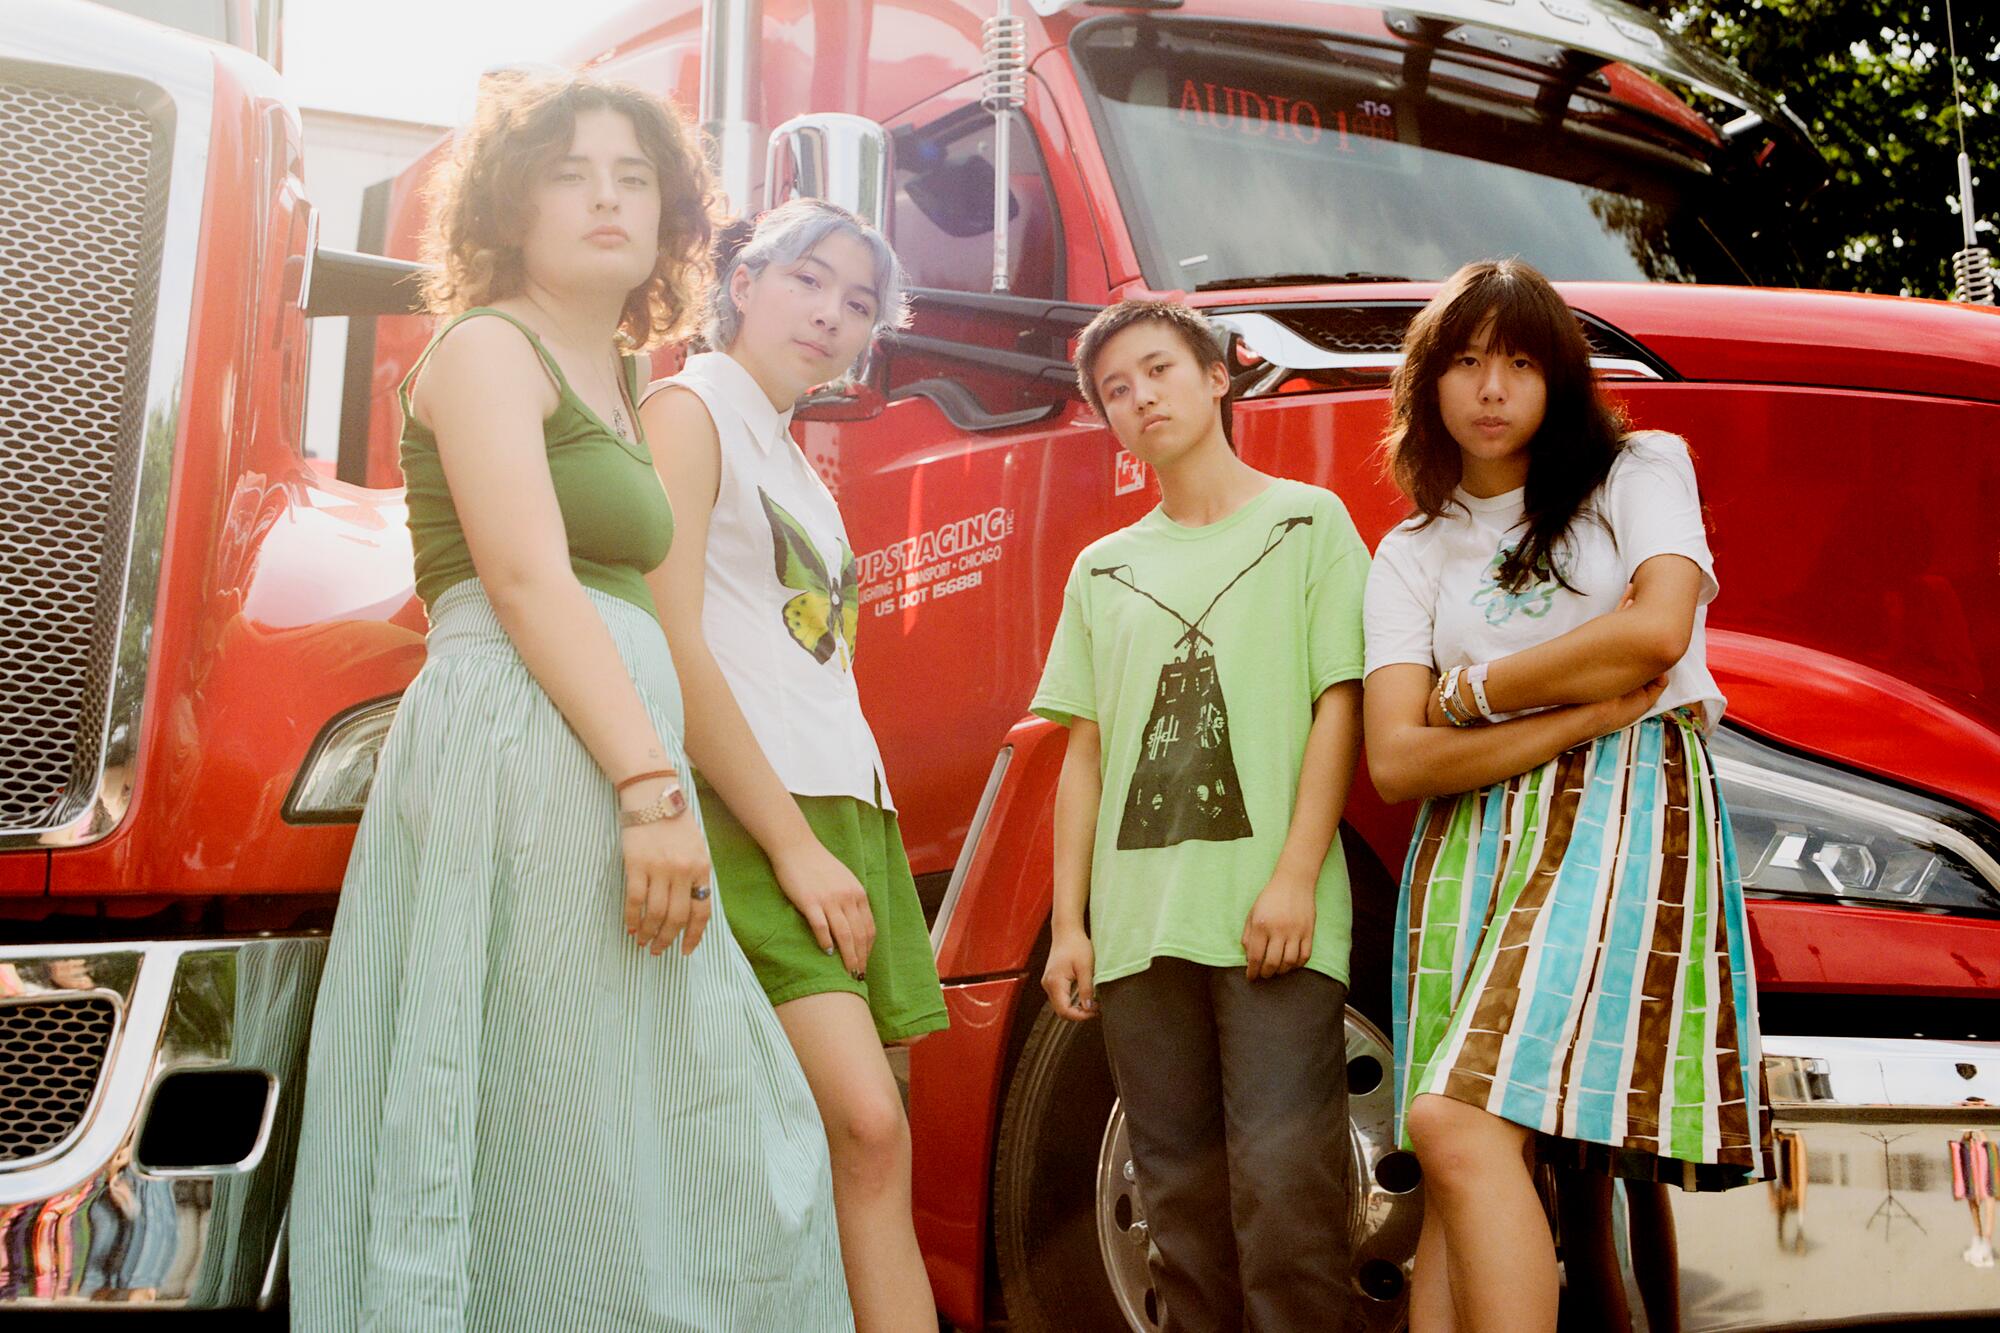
x: 1476, y: 677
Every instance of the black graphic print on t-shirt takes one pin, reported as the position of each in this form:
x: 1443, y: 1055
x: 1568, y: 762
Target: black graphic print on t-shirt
x: 1184, y: 784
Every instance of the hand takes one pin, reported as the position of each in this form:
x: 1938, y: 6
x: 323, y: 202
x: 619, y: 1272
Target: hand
x: 1279, y: 933
x: 832, y: 901
x: 1620, y: 713
x: 665, y: 861
x: 1069, y: 976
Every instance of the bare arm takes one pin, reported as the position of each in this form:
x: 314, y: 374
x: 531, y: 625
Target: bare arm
x: 688, y: 457
x: 1332, y: 747
x: 1409, y: 758
x: 1072, y: 962
x: 484, y: 394
x: 1277, y: 936
x: 1606, y: 656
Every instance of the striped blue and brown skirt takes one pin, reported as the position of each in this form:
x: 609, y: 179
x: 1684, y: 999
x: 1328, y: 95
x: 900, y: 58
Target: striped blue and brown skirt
x: 1573, y: 957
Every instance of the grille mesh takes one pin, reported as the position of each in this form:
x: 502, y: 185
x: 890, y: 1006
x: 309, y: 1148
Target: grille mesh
x: 51, y: 1053
x: 1364, y: 329
x: 1356, y: 330
x: 81, y: 188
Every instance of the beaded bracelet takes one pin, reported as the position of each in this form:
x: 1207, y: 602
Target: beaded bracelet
x: 1447, y: 697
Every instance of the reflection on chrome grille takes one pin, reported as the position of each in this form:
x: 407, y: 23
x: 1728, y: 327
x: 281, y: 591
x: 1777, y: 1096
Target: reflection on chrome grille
x: 51, y: 1053
x: 1369, y: 328
x: 1354, y: 329
x: 82, y: 186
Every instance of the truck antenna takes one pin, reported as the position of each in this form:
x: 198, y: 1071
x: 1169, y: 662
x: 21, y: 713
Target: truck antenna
x: 1005, y: 47
x: 1972, y: 265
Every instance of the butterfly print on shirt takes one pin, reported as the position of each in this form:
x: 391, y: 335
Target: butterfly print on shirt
x: 826, y: 613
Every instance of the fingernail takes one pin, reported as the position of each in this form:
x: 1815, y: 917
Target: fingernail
x: 828, y: 951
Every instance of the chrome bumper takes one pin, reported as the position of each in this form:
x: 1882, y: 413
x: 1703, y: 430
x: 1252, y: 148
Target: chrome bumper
x: 87, y: 1223
x: 1870, y: 1227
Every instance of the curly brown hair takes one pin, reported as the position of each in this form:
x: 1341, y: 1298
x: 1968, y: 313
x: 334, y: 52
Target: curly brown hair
x: 478, y: 198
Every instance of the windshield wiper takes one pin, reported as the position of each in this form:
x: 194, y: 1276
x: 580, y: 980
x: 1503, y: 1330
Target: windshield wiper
x: 1297, y: 280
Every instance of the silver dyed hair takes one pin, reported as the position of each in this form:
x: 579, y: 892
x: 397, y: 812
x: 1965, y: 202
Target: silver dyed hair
x: 784, y: 236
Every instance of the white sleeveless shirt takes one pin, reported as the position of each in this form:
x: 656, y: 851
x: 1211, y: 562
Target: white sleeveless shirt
x: 779, y: 604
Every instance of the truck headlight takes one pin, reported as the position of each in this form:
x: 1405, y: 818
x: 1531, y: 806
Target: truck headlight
x: 1809, y: 830
x: 333, y: 782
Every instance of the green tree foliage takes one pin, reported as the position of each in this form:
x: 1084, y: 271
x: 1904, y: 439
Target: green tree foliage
x: 1870, y: 78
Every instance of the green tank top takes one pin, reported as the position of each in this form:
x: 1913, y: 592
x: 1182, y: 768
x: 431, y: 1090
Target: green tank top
x: 614, y: 510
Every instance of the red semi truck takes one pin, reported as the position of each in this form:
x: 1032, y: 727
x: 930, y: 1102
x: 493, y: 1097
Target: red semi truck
x: 202, y: 637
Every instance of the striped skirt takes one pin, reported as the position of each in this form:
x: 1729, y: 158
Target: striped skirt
x: 515, y: 1118
x: 1575, y: 959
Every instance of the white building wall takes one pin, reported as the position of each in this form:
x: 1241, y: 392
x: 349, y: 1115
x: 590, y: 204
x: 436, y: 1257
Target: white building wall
x: 345, y: 154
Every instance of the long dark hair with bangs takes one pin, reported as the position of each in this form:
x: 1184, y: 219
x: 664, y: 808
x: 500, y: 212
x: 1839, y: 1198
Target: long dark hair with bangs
x: 1581, y: 432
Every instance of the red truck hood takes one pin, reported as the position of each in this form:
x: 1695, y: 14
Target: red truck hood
x: 1848, y: 445
x: 1751, y: 335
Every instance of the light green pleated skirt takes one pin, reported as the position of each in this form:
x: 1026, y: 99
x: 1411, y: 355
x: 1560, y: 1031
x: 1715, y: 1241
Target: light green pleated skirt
x: 515, y: 1118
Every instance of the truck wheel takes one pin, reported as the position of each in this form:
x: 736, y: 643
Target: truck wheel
x: 1068, y: 1223
x: 1045, y: 1168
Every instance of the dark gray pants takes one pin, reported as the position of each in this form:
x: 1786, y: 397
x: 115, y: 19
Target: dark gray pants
x: 1235, y: 1095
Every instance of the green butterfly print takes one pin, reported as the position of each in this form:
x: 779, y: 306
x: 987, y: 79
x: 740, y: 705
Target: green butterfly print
x: 824, y: 617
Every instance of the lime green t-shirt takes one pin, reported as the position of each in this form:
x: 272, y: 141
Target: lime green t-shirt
x: 1199, y: 653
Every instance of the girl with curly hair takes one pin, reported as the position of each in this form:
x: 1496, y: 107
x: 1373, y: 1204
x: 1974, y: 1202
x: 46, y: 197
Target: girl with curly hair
x: 1572, y: 978
x: 544, y: 1090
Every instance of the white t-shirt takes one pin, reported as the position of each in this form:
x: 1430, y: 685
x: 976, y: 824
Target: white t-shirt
x: 1433, y: 593
x: 779, y: 605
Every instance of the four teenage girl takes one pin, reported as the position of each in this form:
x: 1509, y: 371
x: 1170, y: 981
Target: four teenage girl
x: 1572, y: 979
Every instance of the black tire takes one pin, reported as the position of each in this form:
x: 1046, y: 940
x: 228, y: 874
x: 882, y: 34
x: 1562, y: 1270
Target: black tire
x: 1044, y: 1182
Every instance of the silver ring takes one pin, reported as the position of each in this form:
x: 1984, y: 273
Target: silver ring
x: 700, y: 893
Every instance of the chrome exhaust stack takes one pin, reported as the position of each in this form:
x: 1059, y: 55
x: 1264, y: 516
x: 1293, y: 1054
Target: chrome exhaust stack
x: 732, y: 43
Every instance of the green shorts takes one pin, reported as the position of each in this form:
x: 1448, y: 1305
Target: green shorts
x: 901, y: 985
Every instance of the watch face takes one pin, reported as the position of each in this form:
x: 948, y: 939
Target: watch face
x: 676, y: 801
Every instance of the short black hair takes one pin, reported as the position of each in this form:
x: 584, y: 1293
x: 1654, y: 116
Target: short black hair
x: 1202, y: 339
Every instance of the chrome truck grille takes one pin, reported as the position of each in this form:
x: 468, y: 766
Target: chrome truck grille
x: 83, y: 173
x: 51, y: 1053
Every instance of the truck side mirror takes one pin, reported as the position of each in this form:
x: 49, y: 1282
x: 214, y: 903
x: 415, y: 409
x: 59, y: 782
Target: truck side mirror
x: 843, y: 159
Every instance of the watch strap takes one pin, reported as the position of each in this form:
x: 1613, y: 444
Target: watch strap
x: 672, y: 801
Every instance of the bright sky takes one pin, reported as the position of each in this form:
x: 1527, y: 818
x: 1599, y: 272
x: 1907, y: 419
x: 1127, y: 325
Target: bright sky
x: 420, y: 59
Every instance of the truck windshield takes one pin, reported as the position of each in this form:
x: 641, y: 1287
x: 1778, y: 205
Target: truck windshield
x: 1248, y: 152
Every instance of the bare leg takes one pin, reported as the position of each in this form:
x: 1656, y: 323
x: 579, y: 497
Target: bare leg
x: 1431, y: 1309
x: 1656, y: 1256
x: 1590, y: 1251
x: 869, y: 1142
x: 1498, y: 1249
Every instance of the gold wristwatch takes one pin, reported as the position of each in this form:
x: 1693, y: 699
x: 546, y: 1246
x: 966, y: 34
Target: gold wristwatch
x: 672, y: 802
